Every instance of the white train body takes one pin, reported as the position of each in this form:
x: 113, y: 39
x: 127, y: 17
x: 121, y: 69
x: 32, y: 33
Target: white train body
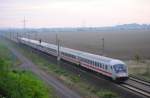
x: 113, y: 68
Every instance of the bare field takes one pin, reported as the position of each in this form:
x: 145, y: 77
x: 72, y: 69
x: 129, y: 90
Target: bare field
x: 122, y: 44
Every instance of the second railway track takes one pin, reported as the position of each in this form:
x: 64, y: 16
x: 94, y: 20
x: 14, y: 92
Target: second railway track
x: 138, y: 86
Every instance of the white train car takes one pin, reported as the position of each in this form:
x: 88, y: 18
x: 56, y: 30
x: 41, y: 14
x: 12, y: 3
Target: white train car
x: 113, y: 68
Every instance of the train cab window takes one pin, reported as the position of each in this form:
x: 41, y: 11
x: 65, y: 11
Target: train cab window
x: 119, y: 68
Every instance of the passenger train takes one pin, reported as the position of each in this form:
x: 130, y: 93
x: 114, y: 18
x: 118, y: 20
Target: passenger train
x: 113, y: 68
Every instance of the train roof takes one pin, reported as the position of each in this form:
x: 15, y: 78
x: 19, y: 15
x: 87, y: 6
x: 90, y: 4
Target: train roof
x: 87, y: 55
x: 79, y: 53
x: 42, y: 43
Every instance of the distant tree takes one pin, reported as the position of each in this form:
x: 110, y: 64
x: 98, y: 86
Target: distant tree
x: 137, y: 58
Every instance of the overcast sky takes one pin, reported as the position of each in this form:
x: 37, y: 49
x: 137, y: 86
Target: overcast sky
x: 73, y: 13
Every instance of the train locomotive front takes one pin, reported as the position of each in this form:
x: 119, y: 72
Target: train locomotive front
x: 119, y: 70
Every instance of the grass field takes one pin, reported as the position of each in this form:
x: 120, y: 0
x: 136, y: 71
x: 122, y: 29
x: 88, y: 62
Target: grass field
x: 7, y: 55
x: 16, y: 83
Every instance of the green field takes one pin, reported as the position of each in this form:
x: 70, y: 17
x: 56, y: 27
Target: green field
x: 16, y: 83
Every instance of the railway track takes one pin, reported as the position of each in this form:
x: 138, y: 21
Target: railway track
x: 137, y: 85
x: 140, y: 80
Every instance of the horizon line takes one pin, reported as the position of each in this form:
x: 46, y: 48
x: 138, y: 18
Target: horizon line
x: 53, y: 27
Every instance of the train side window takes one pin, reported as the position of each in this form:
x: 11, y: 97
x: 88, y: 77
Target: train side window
x: 111, y: 67
x: 90, y: 62
x: 106, y: 67
x: 103, y: 66
x: 84, y: 60
x: 81, y: 59
x: 97, y: 64
x: 100, y: 65
x: 87, y: 60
